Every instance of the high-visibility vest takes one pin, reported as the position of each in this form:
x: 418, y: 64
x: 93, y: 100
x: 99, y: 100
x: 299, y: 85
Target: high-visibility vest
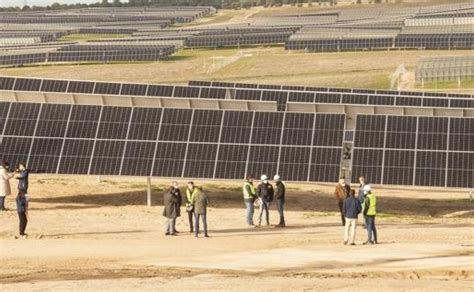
x: 372, y: 204
x: 190, y: 195
x: 252, y: 191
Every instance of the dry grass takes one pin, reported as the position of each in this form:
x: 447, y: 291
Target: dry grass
x: 258, y: 65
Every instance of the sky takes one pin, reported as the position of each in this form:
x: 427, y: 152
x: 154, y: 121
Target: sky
x: 6, y: 3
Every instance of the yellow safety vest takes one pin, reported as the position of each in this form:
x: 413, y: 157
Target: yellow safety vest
x: 190, y: 195
x: 372, y: 205
x: 252, y: 191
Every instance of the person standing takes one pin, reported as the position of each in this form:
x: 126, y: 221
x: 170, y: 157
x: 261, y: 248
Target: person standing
x: 177, y: 193
x: 361, y: 195
x: 22, y: 177
x: 370, y: 211
x: 200, y: 202
x: 351, y: 209
x: 191, y: 190
x: 249, y: 192
x: 265, y: 194
x: 341, y: 193
x: 170, y: 202
x: 22, y: 210
x: 280, y: 199
x: 5, y: 189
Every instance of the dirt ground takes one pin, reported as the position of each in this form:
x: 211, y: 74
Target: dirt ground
x: 86, y: 235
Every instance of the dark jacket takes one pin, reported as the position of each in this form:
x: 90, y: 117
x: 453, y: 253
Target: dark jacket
x: 170, y: 203
x: 280, y: 191
x: 23, y: 181
x: 177, y: 194
x: 265, y: 192
x: 351, y: 208
x: 342, y: 192
x: 21, y: 204
x: 200, y: 202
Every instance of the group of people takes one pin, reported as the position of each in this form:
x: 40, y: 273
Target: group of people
x: 21, y: 174
x: 351, y: 204
x: 196, y: 207
x: 261, y: 197
x: 197, y: 202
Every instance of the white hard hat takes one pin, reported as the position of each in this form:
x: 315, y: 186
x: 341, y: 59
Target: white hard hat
x: 264, y: 177
x: 367, y: 188
x: 277, y: 177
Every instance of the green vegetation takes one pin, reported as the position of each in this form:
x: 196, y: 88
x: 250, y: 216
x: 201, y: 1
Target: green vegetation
x: 89, y: 37
x: 465, y: 85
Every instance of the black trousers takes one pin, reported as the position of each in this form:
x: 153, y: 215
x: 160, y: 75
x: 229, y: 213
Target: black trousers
x: 343, y: 219
x: 191, y: 219
x: 23, y: 222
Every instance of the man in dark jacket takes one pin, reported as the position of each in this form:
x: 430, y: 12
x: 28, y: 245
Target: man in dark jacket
x: 22, y: 178
x: 280, y: 199
x: 351, y: 209
x: 341, y: 193
x: 265, y: 194
x: 200, y: 201
x: 22, y: 210
x: 170, y: 202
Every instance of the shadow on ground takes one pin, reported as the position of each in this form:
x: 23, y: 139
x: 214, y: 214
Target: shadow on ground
x: 296, y: 201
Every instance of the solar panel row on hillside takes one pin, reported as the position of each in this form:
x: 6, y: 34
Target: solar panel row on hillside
x: 282, y: 97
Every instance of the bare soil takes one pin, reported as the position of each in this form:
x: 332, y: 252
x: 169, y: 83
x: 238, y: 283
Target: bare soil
x: 91, y: 236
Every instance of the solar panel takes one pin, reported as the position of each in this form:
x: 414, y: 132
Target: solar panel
x: 168, y: 142
x: 218, y: 90
x: 80, y: 87
x: 410, y: 150
x: 6, y: 83
x: 134, y: 89
x: 26, y: 84
x: 54, y: 85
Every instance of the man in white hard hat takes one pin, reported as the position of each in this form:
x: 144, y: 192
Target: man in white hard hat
x: 370, y: 210
x: 265, y: 194
x: 280, y: 199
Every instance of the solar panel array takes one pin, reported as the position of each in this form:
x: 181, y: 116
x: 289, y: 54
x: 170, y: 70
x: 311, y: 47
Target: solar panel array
x: 444, y: 68
x: 167, y: 142
x: 263, y: 93
x: 410, y: 150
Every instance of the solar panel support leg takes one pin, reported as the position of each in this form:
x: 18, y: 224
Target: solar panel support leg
x: 148, y: 191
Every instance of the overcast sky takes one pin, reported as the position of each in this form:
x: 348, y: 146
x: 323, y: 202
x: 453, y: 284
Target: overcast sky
x: 6, y: 3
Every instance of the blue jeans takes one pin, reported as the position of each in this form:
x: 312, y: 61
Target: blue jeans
x: 196, y: 223
x: 281, y: 209
x: 249, y: 212
x: 2, y: 203
x: 371, y: 230
x: 264, y: 206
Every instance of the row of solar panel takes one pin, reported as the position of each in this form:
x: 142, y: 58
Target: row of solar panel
x: 426, y: 41
x: 322, y: 89
x: 73, y: 139
x: 237, y: 39
x: 281, y: 97
x: 424, y: 151
x: 89, y: 56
